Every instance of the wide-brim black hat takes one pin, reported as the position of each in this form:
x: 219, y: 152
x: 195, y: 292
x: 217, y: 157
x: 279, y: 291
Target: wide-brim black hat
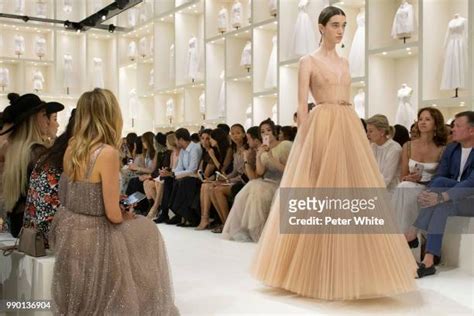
x: 22, y: 107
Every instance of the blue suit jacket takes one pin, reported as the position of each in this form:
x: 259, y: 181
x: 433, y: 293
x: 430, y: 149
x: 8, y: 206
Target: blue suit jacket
x: 449, y: 168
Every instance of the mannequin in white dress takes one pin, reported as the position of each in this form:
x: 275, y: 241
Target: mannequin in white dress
x: 246, y: 58
x: 67, y: 6
x: 456, y: 55
x: 20, y: 7
x: 172, y: 63
x: 221, y: 97
x: 404, y: 22
x: 19, y: 45
x: 41, y: 8
x: 40, y: 46
x: 133, y: 105
x: 236, y: 18
x: 4, y: 78
x: 98, y: 73
x: 132, y: 50
x: 132, y: 17
x: 271, y: 77
x: 38, y: 80
x: 303, y: 41
x: 357, y: 53
x: 202, y: 105
x: 193, y: 59
x: 273, y: 7
x: 359, y: 103
x: 170, y: 110
x: 406, y: 114
x: 275, y: 113
x: 151, y: 82
x: 145, y: 10
x: 222, y: 20
x: 143, y: 47
x: 248, y: 114
x: 67, y: 77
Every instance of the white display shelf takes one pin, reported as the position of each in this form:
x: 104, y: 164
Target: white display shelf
x: 464, y: 102
x: 29, y: 8
x: 241, y: 78
x: 29, y: 34
x: 164, y: 71
x: 261, y: 12
x: 213, y: 7
x: 75, y: 12
x: 263, y: 35
x: 238, y: 98
x: 235, y: 44
x: 263, y: 108
x: 163, y: 6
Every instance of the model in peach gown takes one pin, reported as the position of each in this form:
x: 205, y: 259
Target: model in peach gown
x: 331, y: 150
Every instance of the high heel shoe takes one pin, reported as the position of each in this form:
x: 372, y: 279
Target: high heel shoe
x: 414, y: 243
x: 152, y: 213
x: 204, y: 224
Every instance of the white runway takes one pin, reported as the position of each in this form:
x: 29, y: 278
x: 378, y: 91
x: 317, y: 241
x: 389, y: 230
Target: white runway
x: 211, y: 277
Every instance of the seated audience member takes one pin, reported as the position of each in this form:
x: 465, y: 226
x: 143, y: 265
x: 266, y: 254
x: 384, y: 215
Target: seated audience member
x: 287, y: 133
x: 225, y: 128
x: 26, y: 114
x: 148, y: 155
x: 420, y: 159
x: 154, y: 187
x: 252, y: 204
x: 401, y: 134
x: 387, y: 152
x: 449, y: 131
x: 451, y: 192
x: 186, y: 184
x: 219, y: 152
x: 3, y: 150
x: 195, y: 138
x: 206, y: 166
x: 42, y: 200
x: 161, y: 148
x: 243, y: 171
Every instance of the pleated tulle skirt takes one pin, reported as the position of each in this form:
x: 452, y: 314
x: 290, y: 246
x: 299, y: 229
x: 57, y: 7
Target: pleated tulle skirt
x: 331, y: 150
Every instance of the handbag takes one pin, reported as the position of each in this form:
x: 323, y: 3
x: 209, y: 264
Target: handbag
x: 31, y: 242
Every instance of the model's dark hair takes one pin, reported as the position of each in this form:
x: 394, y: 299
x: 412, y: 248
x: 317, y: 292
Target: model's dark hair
x: 222, y: 141
x: 244, y: 143
x: 440, y: 136
x: 328, y: 13
x: 182, y: 133
x: 55, y: 154
x: 272, y: 125
x: 469, y: 115
x: 254, y: 132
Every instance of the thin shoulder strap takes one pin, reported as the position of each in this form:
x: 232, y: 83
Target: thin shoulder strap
x: 92, y: 161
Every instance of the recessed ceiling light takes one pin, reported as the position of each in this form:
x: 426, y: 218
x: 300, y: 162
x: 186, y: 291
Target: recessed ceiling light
x: 384, y: 53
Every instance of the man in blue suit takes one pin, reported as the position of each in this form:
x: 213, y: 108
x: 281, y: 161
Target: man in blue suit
x: 450, y: 193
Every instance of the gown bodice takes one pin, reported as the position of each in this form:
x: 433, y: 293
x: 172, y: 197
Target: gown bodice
x: 429, y: 169
x: 456, y: 28
x: 329, y: 84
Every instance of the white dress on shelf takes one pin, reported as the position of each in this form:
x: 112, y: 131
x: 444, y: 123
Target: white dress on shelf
x: 67, y: 6
x: 359, y: 103
x: 303, y: 41
x: 275, y: 113
x: 273, y: 7
x: 38, y: 80
x: 151, y: 82
x: 357, y: 53
x: 202, y: 103
x: 170, y: 109
x: 271, y: 77
x: 405, y: 196
x: 19, y: 42
x: 67, y: 78
x: 236, y: 18
x: 40, y: 46
x: 41, y: 8
x: 98, y: 73
x: 222, y: 20
x: 248, y: 114
x: 193, y: 59
x: 456, y: 52
x: 221, y: 97
x: 246, y: 57
x: 4, y: 77
x: 143, y: 47
x: 406, y: 114
x: 20, y: 7
x: 133, y: 104
x: 172, y: 63
x: 132, y: 50
x: 132, y: 17
x: 404, y: 21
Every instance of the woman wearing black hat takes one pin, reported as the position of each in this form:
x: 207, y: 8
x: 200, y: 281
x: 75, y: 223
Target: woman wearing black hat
x: 25, y: 145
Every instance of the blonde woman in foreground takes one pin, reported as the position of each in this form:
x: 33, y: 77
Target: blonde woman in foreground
x: 108, y: 261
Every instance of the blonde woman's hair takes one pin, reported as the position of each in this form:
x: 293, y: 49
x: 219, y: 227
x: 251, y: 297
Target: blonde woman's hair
x: 98, y: 121
x: 381, y: 122
x: 171, y: 141
x: 17, y: 158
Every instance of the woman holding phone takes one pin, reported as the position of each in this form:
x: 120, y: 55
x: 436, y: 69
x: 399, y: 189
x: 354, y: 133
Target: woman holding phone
x: 420, y: 159
x: 252, y: 204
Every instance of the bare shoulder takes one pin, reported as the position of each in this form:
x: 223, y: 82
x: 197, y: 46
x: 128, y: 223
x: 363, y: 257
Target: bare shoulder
x: 305, y: 61
x: 108, y: 154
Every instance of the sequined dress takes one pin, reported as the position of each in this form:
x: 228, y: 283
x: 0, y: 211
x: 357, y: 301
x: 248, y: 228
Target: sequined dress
x: 103, y: 268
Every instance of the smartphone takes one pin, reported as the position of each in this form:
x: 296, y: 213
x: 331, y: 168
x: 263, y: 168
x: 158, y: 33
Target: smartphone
x: 266, y: 140
x: 134, y: 198
x: 220, y: 175
x: 201, y: 175
x: 419, y: 168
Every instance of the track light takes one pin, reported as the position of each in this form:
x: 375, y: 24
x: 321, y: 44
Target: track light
x: 104, y: 17
x: 111, y: 28
x: 25, y: 19
x: 67, y: 24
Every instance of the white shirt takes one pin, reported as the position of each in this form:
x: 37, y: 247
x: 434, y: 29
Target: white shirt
x: 388, y: 158
x: 464, y: 155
